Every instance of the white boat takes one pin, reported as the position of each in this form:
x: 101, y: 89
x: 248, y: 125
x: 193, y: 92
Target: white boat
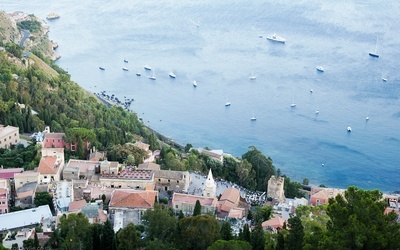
x: 125, y: 61
x: 147, y: 67
x: 367, y: 118
x: 384, y: 79
x: 317, y: 111
x: 252, y: 77
x: 227, y: 104
x: 311, y: 90
x: 320, y: 68
x: 293, y: 104
x: 349, y: 129
x: 274, y: 37
x: 153, y: 76
x: 172, y: 75
x: 138, y: 74
x: 194, y: 83
x: 125, y: 69
x: 253, y: 118
x: 375, y: 53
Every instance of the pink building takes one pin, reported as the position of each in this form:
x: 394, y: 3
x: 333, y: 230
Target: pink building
x: 3, y: 201
x: 321, y: 195
x: 8, y: 173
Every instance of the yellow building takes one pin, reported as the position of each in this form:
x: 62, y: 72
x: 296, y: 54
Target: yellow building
x: 8, y: 136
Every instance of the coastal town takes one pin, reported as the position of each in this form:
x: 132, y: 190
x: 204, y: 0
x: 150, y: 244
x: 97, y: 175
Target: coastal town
x: 88, y: 186
x: 70, y: 177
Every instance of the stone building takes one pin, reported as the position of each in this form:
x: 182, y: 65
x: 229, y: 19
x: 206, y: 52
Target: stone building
x: 172, y: 180
x: 275, y: 188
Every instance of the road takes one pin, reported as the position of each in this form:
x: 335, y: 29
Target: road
x: 25, y: 35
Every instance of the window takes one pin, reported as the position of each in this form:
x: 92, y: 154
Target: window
x: 58, y: 140
x: 73, y: 173
x: 169, y: 180
x: 112, y: 186
x: 15, y: 134
x: 176, y: 206
x: 159, y: 179
x: 9, y: 137
x: 177, y: 181
x: 45, y: 176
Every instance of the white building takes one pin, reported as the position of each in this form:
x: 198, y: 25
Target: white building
x: 210, y: 189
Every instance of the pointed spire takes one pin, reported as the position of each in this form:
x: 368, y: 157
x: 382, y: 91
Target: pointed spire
x: 210, y: 188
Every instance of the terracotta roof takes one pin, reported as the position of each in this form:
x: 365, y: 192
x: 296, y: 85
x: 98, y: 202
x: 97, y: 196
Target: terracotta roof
x: 8, y: 173
x: 236, y: 213
x: 133, y: 198
x: 76, y: 205
x: 191, y: 199
x: 230, y: 194
x: 276, y: 222
x: 47, y: 165
x: 327, y: 193
x: 54, y: 135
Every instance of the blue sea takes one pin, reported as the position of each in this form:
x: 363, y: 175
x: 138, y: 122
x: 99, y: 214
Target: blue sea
x: 218, y: 44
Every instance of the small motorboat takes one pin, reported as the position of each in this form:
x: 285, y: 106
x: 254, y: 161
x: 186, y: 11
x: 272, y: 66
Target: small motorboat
x: 125, y: 69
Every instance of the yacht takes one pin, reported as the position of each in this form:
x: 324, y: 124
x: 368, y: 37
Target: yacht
x: 153, y: 76
x: 147, y: 67
x: 138, y: 74
x: 293, y: 104
x: 227, y: 104
x: 252, y: 77
x: 317, y: 111
x: 172, y: 75
x: 253, y: 118
x: 375, y: 53
x: 367, y: 118
x: 274, y: 37
x: 320, y: 68
x: 125, y: 69
x: 311, y: 90
x: 194, y: 83
x: 349, y: 129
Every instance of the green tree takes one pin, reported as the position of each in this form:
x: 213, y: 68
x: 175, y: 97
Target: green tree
x: 230, y: 245
x: 36, y: 241
x: 357, y: 221
x: 188, y: 147
x: 226, y: 231
x: 160, y: 223
x: 262, y: 166
x: 181, y: 215
x: 198, y: 232
x: 295, y: 237
x: 245, y: 234
x: 107, y: 240
x: 257, y: 238
x: 44, y: 198
x: 75, y: 230
x: 55, y: 241
x: 306, y: 181
x: 263, y: 213
x: 197, y: 208
x: 128, y: 238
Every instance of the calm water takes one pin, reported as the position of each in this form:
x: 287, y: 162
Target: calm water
x: 217, y: 44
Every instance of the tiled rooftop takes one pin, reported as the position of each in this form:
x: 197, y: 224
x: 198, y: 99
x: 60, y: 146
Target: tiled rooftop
x: 139, y: 174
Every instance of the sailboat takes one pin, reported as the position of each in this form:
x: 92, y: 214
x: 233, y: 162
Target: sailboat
x: 153, y: 76
x: 227, y: 103
x: 252, y: 77
x: 293, y: 104
x: 375, y: 53
x: 172, y: 75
